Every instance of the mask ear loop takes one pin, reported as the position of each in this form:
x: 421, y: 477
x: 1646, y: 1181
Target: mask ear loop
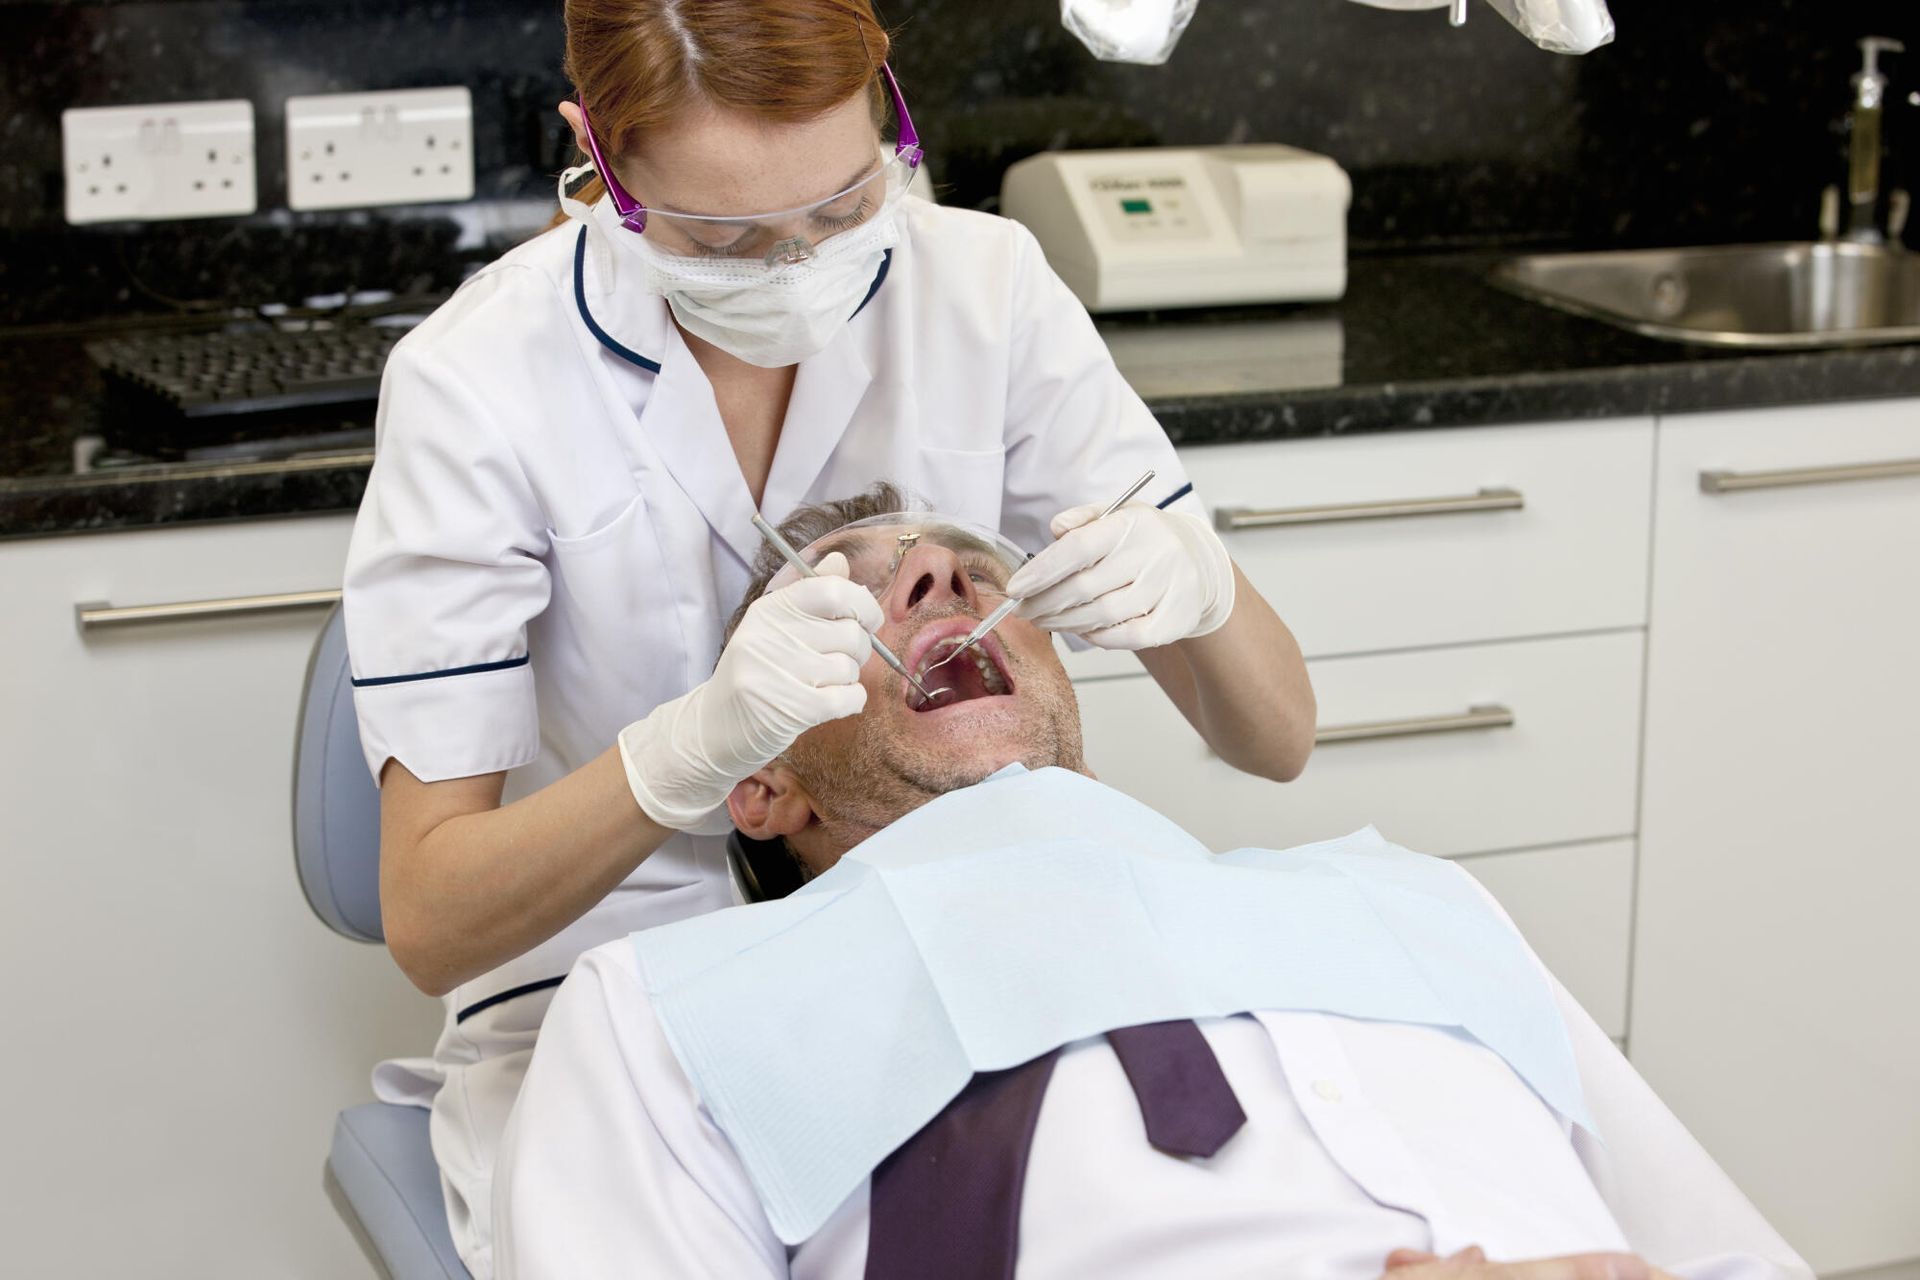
x: 598, y: 249
x: 570, y: 204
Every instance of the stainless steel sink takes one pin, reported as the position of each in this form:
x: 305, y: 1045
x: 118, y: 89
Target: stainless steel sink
x: 1762, y: 295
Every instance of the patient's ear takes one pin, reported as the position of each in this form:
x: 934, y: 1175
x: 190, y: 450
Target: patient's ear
x: 769, y: 804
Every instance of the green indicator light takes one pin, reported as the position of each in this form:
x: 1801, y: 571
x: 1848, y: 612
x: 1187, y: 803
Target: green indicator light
x: 1136, y: 206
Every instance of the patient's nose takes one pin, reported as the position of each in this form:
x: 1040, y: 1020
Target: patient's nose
x: 929, y: 576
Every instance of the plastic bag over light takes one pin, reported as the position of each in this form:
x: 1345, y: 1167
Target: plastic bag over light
x: 1558, y: 26
x: 1145, y: 31
x: 1142, y: 31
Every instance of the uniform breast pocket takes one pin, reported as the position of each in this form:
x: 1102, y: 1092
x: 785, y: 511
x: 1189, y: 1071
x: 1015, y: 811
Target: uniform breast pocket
x: 571, y: 545
x: 968, y: 483
x: 610, y: 643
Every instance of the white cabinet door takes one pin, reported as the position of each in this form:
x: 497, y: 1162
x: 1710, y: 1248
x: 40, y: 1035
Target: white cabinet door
x: 1776, y: 987
x: 180, y: 1029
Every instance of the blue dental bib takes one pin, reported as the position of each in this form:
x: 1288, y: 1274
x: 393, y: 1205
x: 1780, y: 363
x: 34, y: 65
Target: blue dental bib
x: 1035, y: 909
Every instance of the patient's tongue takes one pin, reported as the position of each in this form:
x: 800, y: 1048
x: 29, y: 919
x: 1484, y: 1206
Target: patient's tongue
x: 961, y: 680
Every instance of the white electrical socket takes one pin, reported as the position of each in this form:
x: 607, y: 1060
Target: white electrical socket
x: 163, y: 160
x: 406, y: 146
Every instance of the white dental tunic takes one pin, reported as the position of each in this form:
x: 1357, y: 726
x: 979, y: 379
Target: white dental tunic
x: 1361, y: 1137
x: 556, y: 529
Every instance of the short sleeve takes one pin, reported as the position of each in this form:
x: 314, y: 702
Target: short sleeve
x: 1076, y: 431
x: 443, y: 573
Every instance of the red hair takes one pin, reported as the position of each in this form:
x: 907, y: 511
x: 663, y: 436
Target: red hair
x: 637, y: 64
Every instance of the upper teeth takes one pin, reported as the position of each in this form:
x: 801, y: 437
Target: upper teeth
x: 989, y: 673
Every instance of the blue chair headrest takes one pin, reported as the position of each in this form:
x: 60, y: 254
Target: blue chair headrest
x: 336, y: 807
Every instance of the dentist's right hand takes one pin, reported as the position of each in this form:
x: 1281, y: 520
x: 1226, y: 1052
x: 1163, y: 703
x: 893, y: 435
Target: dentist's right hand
x: 793, y: 662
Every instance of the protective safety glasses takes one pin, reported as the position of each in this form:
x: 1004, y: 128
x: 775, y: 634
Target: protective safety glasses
x: 785, y: 235
x: 877, y: 546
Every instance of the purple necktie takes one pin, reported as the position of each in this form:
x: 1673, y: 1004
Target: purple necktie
x: 946, y: 1204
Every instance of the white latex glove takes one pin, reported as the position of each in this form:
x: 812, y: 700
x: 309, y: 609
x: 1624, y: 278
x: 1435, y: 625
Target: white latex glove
x: 794, y: 662
x: 1137, y: 578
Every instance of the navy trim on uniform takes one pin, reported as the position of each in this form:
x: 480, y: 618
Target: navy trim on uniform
x: 593, y: 326
x: 512, y: 993
x: 501, y: 665
x: 879, y: 278
x: 1175, y: 496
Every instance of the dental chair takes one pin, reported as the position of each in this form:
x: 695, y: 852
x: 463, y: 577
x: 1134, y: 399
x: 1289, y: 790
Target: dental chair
x: 380, y: 1173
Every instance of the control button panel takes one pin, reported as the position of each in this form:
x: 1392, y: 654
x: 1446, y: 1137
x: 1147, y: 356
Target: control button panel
x: 1147, y: 207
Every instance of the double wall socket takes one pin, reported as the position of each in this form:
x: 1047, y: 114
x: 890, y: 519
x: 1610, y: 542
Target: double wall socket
x: 167, y: 160
x: 407, y: 146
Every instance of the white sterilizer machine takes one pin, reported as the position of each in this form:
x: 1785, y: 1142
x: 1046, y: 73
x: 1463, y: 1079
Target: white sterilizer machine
x: 1188, y: 227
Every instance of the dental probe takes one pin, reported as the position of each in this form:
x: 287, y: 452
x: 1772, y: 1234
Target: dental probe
x: 792, y: 557
x: 1007, y: 606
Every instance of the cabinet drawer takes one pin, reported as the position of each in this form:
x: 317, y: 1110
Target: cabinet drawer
x: 133, y: 579
x: 1572, y: 558
x: 1574, y: 905
x: 1563, y: 771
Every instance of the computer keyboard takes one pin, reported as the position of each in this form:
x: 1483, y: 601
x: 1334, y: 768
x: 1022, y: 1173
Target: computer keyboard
x: 172, y: 388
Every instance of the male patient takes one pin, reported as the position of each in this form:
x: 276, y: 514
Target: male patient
x: 1015, y: 1019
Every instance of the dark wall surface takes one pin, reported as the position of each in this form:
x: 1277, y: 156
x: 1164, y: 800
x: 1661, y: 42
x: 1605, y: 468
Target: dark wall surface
x: 1706, y: 121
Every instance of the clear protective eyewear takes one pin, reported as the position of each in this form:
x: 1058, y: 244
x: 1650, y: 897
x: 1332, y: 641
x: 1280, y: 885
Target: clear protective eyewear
x: 783, y: 236
x: 877, y: 546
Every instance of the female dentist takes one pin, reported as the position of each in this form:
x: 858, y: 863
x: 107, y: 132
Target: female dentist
x: 743, y: 311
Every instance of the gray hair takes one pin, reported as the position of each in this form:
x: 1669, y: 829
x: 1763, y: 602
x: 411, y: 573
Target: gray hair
x: 809, y: 524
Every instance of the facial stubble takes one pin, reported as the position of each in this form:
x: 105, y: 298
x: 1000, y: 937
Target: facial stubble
x: 884, y: 773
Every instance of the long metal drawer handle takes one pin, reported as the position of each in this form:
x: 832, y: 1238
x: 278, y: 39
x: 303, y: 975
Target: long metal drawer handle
x: 95, y: 614
x: 1477, y: 717
x: 1228, y: 519
x: 1747, y: 481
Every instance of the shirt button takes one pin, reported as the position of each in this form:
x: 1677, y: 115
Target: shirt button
x: 1327, y: 1089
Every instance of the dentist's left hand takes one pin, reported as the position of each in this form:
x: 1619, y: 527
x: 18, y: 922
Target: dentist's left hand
x: 794, y: 662
x: 1136, y: 579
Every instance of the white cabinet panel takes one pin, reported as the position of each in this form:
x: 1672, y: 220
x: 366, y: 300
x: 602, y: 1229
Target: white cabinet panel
x: 181, y: 1028
x: 1563, y: 772
x: 1776, y: 991
x: 1574, y: 558
x: 1575, y: 907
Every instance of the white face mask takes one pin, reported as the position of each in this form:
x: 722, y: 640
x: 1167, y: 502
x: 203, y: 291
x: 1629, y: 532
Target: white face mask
x: 771, y: 316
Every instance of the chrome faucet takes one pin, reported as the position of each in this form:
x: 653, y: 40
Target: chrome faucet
x: 1863, y: 153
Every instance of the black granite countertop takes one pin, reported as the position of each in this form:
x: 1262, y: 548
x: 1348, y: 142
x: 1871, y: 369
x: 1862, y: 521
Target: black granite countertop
x: 1416, y: 344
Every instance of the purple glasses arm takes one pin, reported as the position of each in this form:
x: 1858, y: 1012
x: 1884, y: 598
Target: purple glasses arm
x: 908, y: 145
x: 631, y: 211
x: 634, y: 214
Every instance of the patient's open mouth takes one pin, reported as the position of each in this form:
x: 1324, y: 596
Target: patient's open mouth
x: 977, y: 673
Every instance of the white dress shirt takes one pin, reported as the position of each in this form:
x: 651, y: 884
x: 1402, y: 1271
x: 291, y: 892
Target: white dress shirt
x: 1361, y: 1137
